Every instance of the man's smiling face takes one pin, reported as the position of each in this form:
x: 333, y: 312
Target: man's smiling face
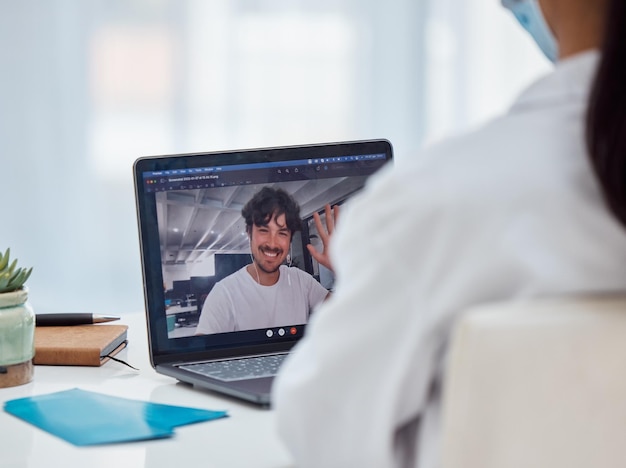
x: 269, y: 244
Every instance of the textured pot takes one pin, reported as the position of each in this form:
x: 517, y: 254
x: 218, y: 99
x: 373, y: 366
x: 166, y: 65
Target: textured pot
x: 17, y: 338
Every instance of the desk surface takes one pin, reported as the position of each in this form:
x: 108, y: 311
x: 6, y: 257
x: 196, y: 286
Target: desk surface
x: 246, y: 438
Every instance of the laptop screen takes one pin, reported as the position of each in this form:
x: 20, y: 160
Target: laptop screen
x: 201, y: 282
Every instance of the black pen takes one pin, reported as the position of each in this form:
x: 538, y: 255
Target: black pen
x: 60, y: 320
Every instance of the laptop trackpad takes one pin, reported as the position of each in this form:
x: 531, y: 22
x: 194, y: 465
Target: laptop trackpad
x: 261, y: 385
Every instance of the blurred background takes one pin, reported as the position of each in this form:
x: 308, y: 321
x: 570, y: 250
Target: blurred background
x: 88, y: 86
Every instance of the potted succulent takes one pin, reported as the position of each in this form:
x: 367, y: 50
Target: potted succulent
x: 17, y: 324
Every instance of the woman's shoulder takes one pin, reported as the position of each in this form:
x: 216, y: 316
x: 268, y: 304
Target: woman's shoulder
x: 491, y: 172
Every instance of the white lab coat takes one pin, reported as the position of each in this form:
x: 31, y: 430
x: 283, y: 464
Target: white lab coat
x: 509, y: 211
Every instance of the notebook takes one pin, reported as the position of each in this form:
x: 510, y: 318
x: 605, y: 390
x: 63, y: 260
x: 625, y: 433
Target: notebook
x: 78, y: 345
x: 211, y: 321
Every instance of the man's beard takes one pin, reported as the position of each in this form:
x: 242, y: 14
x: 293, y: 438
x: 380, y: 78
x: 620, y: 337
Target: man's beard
x: 259, y: 264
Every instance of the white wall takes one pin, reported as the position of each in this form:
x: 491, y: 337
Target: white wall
x: 173, y: 273
x: 89, y: 86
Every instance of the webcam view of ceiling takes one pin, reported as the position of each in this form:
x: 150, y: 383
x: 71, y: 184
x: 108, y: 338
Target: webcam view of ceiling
x: 194, y: 224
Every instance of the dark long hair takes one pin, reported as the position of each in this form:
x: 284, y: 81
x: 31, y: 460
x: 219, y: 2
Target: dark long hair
x: 606, y: 115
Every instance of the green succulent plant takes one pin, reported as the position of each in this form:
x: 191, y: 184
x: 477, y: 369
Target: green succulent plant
x: 11, y: 277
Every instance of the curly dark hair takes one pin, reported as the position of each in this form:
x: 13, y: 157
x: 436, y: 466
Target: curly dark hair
x: 269, y: 202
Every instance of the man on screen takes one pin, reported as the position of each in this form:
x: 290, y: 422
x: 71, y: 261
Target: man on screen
x: 266, y: 293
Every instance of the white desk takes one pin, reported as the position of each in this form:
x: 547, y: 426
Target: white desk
x: 245, y: 439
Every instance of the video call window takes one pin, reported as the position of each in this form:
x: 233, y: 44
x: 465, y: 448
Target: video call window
x: 203, y: 239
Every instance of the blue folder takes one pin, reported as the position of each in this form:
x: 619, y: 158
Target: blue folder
x: 88, y: 418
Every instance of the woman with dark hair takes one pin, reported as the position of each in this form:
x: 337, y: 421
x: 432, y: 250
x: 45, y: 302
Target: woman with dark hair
x: 532, y: 204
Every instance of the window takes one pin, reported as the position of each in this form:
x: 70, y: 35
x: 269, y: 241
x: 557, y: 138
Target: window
x: 90, y: 86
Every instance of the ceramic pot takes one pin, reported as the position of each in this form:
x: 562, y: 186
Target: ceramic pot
x: 17, y: 338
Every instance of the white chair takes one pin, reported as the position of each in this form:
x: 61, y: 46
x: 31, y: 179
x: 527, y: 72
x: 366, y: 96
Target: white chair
x: 538, y: 384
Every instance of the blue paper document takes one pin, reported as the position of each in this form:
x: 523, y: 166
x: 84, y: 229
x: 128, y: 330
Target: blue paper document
x: 88, y: 418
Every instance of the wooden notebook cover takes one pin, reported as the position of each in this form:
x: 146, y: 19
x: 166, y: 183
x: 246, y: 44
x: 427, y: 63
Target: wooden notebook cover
x: 78, y: 345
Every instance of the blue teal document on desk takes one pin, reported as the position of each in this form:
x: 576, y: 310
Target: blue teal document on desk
x: 88, y: 418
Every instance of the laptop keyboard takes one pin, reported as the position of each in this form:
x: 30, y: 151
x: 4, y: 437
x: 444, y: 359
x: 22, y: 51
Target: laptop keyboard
x: 239, y: 369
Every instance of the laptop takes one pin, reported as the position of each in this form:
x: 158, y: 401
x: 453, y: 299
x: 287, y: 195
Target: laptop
x: 193, y: 240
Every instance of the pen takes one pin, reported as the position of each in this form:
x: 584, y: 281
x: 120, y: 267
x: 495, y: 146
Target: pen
x: 59, y: 320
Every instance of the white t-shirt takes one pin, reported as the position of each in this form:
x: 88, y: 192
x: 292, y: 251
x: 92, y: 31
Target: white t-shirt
x: 238, y: 302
